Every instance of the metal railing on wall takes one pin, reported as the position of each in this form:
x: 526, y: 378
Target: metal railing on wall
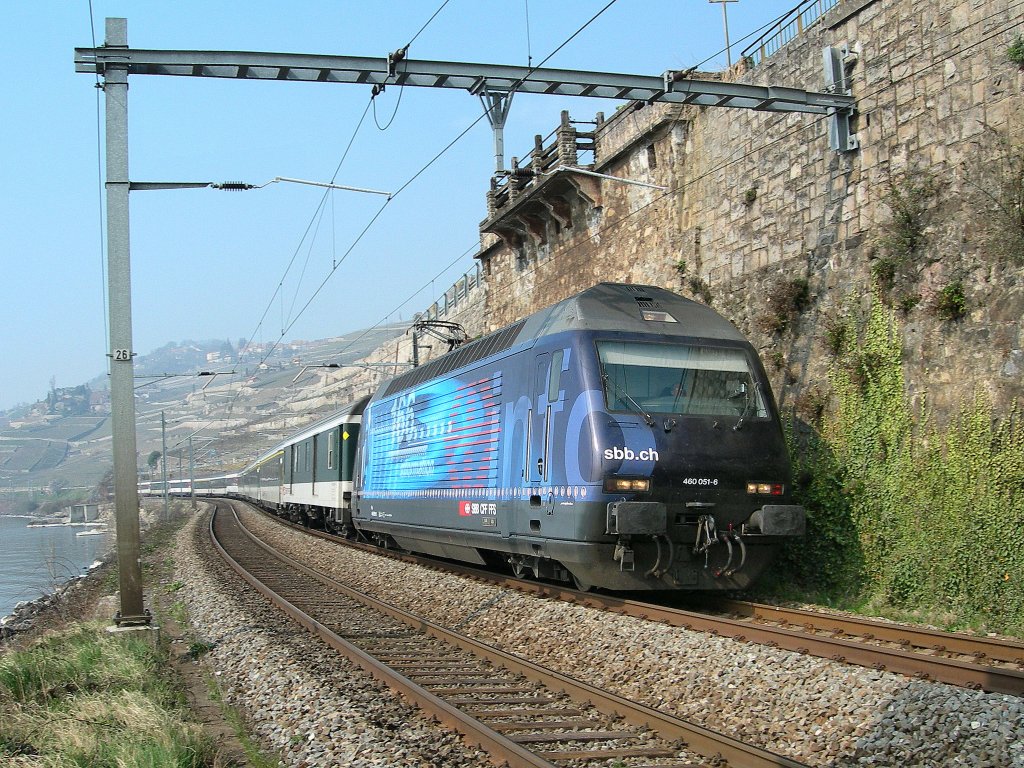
x: 787, y: 28
x: 564, y: 146
x: 455, y: 296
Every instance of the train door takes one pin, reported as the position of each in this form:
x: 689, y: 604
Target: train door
x: 315, y: 439
x: 279, y: 484
x: 539, y: 422
x: 538, y: 469
x: 516, y: 439
x: 292, y: 457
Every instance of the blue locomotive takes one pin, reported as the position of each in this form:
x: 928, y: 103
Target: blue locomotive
x: 624, y: 438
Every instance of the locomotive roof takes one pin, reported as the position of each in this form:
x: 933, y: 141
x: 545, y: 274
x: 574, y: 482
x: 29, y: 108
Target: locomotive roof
x: 605, y: 307
x: 622, y: 307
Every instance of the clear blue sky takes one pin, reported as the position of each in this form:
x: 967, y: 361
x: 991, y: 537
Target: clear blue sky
x: 205, y: 264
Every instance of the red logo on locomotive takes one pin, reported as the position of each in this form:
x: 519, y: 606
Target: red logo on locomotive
x: 473, y: 508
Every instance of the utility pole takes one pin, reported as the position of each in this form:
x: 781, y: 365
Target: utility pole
x: 191, y: 474
x: 725, y: 24
x: 122, y: 389
x: 163, y: 461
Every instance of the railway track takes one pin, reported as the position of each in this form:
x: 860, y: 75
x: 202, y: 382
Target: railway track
x: 520, y: 713
x: 1001, y: 659
x: 976, y: 662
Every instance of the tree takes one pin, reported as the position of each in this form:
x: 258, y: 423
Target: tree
x: 152, y: 461
x: 105, y: 487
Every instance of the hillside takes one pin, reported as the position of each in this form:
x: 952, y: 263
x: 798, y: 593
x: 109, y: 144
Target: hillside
x: 231, y: 407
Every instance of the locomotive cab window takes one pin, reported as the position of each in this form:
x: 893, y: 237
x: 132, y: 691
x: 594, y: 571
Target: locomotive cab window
x: 677, y: 378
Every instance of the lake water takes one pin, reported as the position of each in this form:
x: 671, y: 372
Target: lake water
x: 33, y: 561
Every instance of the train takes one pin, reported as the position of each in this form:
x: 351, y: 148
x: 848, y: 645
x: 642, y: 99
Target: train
x: 625, y: 438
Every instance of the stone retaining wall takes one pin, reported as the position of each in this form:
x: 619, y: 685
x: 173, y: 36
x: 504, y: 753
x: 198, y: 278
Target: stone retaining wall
x: 759, y: 199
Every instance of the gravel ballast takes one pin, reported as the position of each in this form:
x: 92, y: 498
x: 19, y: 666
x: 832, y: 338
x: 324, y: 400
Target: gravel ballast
x: 814, y: 710
x: 300, y: 699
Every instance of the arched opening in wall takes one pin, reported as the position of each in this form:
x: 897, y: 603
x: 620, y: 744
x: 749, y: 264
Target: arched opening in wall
x: 652, y: 157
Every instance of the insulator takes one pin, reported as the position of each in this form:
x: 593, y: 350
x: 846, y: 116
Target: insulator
x: 234, y: 186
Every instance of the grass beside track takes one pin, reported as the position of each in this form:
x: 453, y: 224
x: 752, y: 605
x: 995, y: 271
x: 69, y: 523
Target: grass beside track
x: 80, y: 696
x: 84, y: 697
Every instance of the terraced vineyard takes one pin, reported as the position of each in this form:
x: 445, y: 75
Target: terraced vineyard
x: 34, y: 454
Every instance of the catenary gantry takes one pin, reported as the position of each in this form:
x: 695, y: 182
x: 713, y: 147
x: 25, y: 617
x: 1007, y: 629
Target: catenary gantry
x: 475, y: 78
x: 495, y: 84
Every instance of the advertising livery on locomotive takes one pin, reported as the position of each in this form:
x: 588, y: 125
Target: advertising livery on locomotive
x: 625, y: 438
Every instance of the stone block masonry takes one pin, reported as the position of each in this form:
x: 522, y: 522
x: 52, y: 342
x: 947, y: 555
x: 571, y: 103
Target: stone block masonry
x: 757, y: 199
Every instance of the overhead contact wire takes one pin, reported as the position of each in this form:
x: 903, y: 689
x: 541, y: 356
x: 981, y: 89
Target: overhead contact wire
x: 404, y: 186
x: 100, y: 195
x: 436, y: 157
x: 336, y: 263
x: 348, y: 147
x: 422, y: 169
x: 416, y: 293
x: 401, y: 90
x: 280, y: 285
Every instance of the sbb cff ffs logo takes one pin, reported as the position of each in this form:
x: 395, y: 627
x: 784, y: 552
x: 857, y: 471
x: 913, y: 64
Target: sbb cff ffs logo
x: 628, y: 454
x: 470, y: 508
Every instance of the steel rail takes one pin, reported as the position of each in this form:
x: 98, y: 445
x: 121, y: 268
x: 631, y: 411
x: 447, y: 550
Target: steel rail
x: 937, y: 668
x: 940, y: 669
x: 979, y: 646
x: 698, y: 739
x: 491, y: 742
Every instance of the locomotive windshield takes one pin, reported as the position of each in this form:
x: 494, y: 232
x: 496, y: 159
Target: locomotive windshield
x: 677, y: 378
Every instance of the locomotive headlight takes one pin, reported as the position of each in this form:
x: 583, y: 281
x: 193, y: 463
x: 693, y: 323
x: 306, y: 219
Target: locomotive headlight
x: 627, y: 484
x: 765, y: 489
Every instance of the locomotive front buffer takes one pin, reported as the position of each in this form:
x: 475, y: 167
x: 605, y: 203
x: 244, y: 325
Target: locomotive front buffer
x: 769, y: 524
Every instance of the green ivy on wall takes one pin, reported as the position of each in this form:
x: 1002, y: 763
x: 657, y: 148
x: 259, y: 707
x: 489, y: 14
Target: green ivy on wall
x: 903, y: 512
